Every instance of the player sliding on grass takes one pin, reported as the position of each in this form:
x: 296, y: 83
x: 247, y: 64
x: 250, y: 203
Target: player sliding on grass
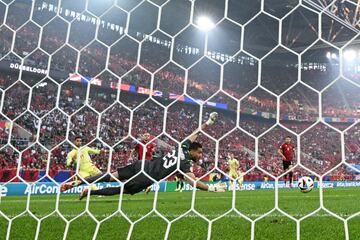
x: 86, y: 167
x: 158, y: 169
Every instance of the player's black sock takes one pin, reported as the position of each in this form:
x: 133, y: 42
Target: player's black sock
x: 106, y: 191
x: 103, y: 178
x: 181, y: 184
x: 177, y: 184
x: 290, y: 177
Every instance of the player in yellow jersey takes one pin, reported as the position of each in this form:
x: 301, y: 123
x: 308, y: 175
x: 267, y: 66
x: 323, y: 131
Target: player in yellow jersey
x: 233, y: 170
x: 86, y: 167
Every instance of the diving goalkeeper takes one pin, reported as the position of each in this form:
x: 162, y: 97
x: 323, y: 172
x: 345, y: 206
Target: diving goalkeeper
x: 190, y: 151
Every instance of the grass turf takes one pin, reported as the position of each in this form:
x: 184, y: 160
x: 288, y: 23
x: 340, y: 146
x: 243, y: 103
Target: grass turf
x: 171, y: 205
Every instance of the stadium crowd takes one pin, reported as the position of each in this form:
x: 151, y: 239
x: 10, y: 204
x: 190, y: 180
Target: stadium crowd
x: 123, y: 58
x: 182, y: 119
x: 115, y: 122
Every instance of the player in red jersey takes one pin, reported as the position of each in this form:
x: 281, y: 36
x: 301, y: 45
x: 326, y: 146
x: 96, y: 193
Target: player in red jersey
x: 149, y: 150
x: 287, y: 152
x: 139, y: 149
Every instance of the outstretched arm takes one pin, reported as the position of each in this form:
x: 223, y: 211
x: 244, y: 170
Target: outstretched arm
x: 97, y: 151
x: 212, y: 119
x: 202, y: 186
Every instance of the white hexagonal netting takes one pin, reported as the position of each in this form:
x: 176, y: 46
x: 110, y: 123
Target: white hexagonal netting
x: 110, y: 71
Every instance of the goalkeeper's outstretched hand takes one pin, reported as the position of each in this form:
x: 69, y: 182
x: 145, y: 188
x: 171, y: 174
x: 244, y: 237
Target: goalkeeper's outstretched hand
x: 212, y: 118
x: 217, y: 188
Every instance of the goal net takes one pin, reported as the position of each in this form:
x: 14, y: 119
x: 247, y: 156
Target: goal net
x: 134, y: 79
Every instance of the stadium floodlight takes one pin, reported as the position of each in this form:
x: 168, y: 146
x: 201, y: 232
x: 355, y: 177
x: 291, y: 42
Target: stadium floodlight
x: 205, y: 24
x: 349, y: 55
x: 333, y: 56
x: 328, y: 54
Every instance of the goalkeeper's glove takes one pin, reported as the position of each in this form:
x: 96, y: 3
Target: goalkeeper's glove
x: 216, y: 188
x: 212, y: 118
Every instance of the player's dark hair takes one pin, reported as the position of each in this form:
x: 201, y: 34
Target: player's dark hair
x: 287, y: 137
x: 195, y: 146
x: 77, y: 137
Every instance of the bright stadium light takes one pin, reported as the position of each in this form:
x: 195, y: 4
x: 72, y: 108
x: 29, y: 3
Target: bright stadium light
x: 349, y: 55
x: 328, y: 54
x: 205, y: 23
x: 333, y: 56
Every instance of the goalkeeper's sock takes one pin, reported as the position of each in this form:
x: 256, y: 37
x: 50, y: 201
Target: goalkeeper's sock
x: 103, y: 178
x: 290, y: 177
x: 106, y: 191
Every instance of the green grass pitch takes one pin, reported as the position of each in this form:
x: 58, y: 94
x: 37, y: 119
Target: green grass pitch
x: 320, y: 226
